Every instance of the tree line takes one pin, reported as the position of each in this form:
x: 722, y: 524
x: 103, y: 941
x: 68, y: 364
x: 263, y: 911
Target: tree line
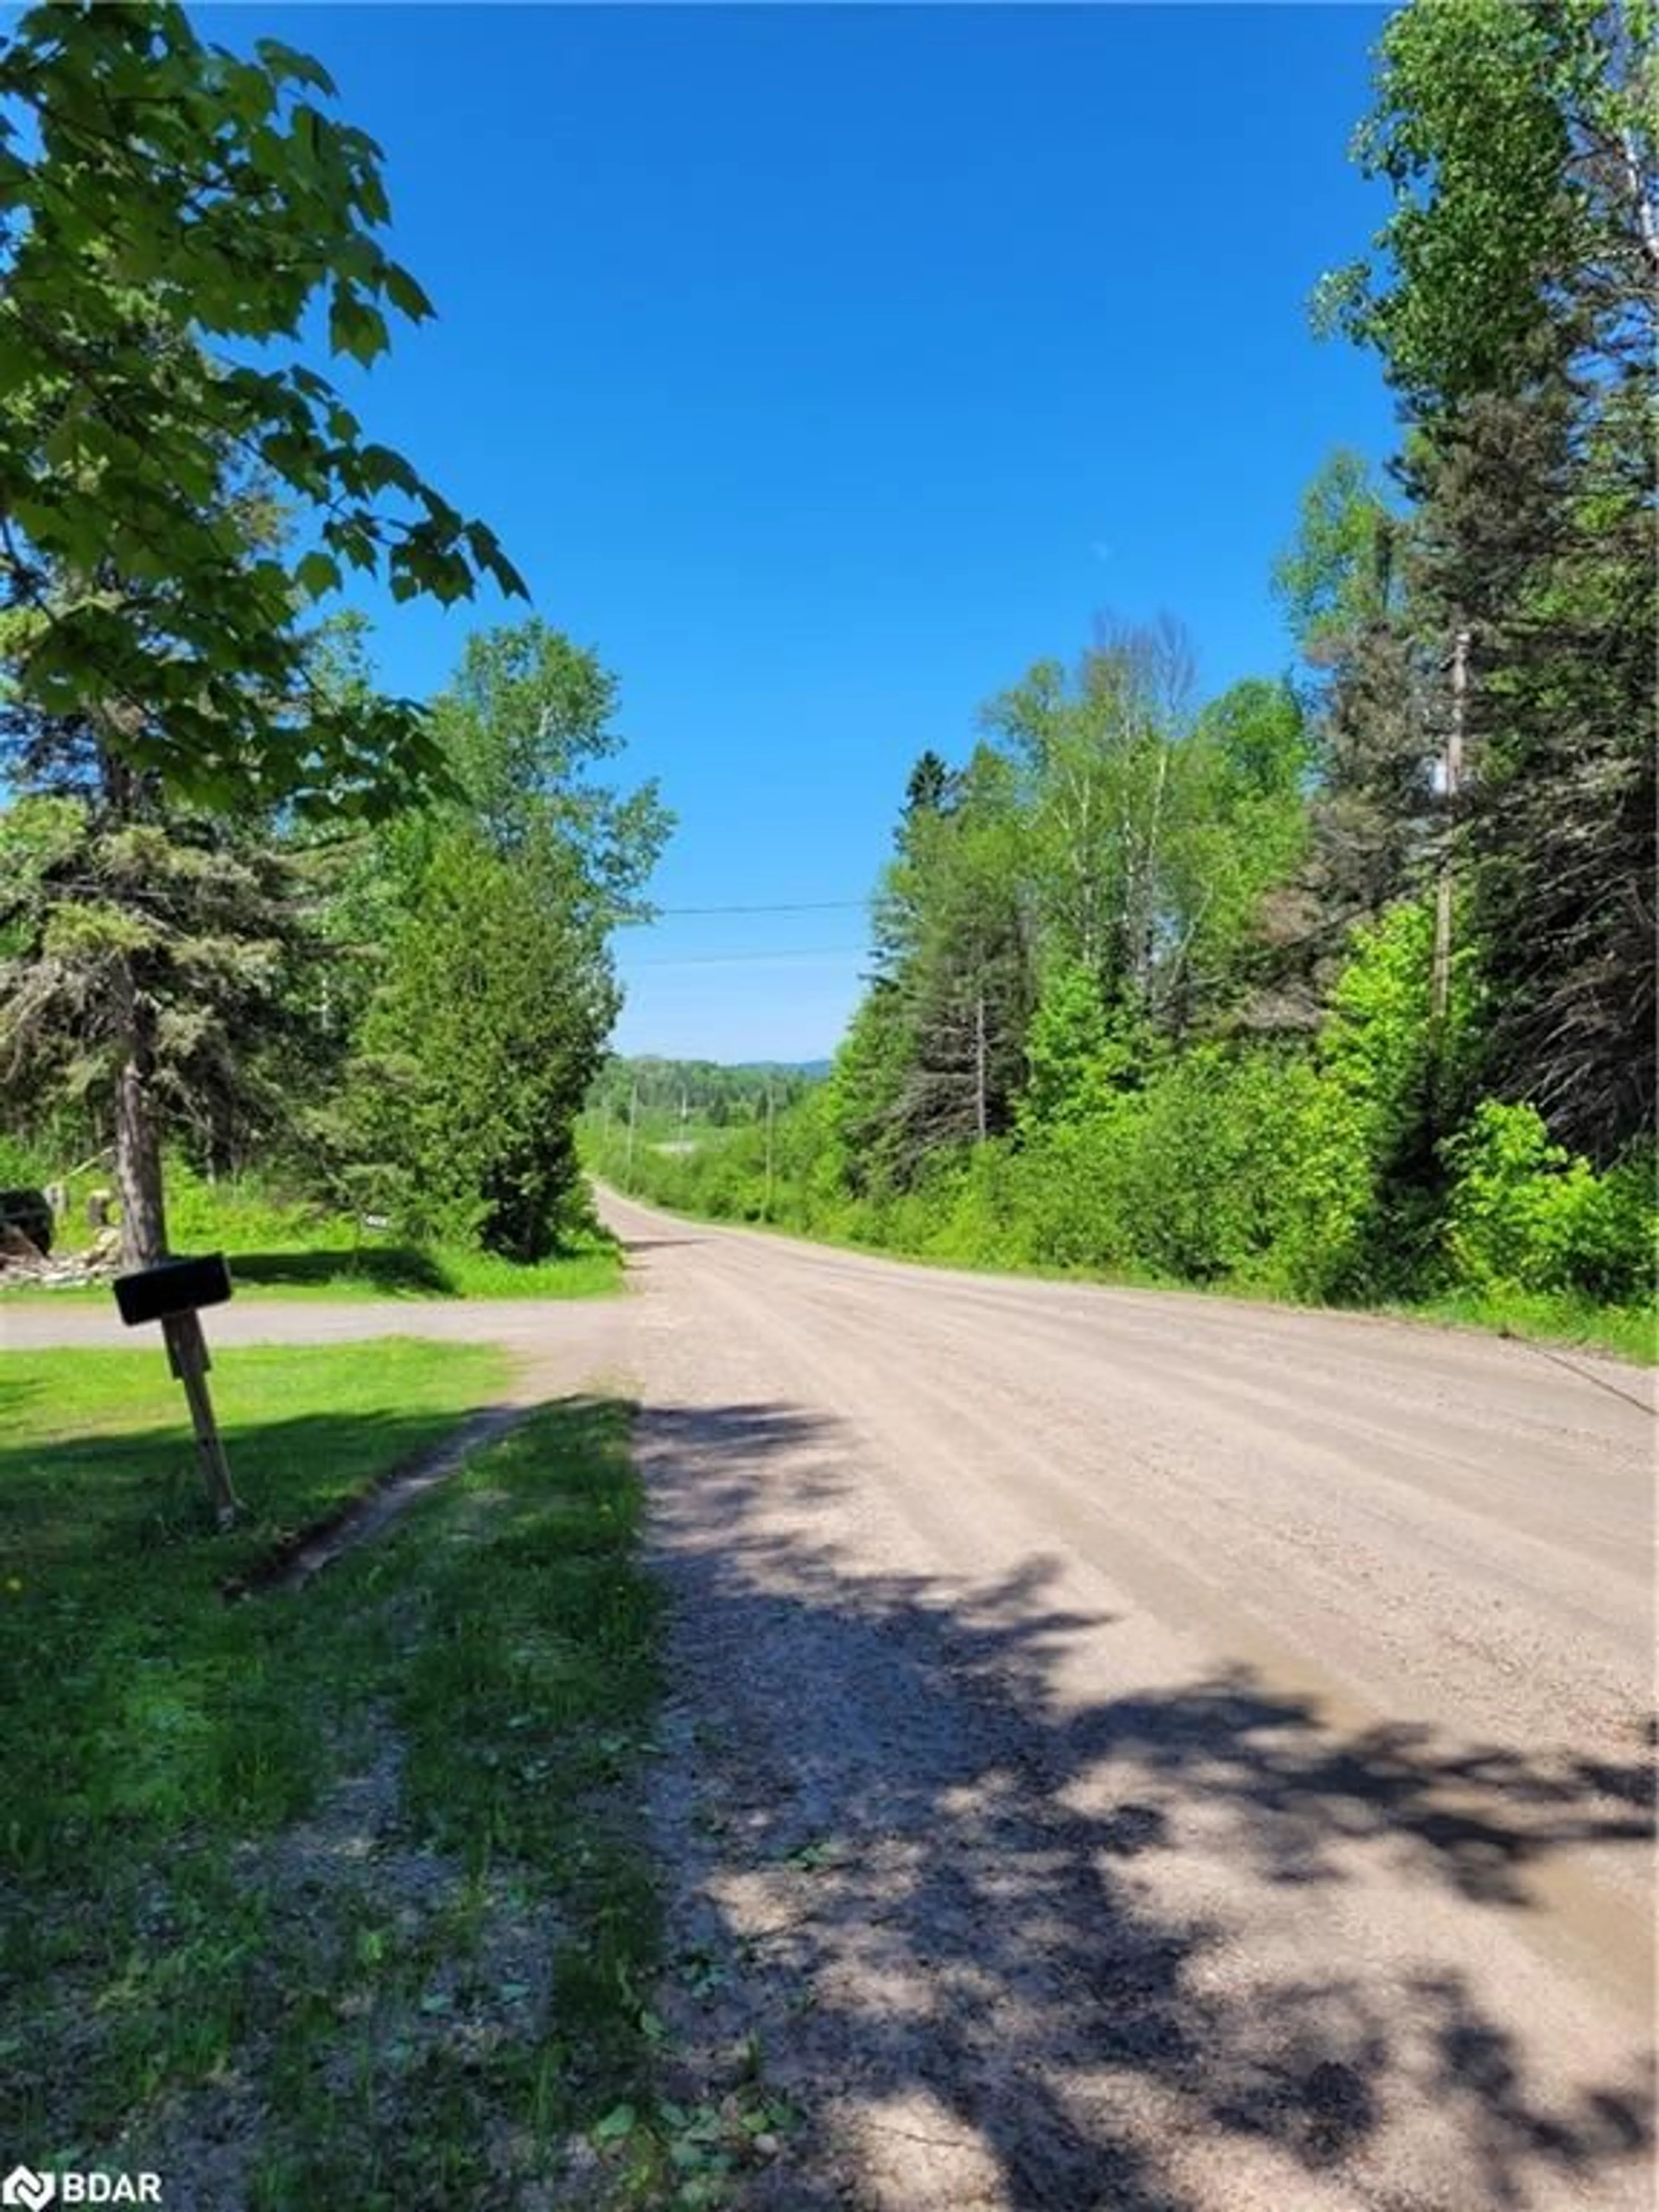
x: 668, y: 1098
x: 252, y: 907
x: 1342, y: 982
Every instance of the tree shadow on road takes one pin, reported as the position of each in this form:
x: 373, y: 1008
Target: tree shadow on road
x: 956, y: 1912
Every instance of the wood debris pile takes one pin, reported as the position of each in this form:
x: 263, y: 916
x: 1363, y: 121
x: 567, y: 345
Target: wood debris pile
x: 22, y: 1260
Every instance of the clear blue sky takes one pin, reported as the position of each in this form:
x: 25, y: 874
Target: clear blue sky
x: 824, y: 367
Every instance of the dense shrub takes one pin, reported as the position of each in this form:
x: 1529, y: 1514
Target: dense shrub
x: 23, y: 1166
x: 1526, y: 1213
x: 1072, y: 1181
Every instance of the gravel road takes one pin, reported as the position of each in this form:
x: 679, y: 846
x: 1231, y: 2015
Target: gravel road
x: 1125, y: 1750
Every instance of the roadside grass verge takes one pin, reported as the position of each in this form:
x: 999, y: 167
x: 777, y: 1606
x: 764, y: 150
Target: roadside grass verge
x: 1629, y: 1332
x: 336, y: 1895
x: 340, y: 1271
x: 283, y: 1248
x: 371, y: 1270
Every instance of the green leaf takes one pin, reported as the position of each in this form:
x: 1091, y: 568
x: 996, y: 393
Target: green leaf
x: 318, y: 574
x: 405, y: 295
x: 130, y: 151
x: 288, y: 63
x: 355, y: 328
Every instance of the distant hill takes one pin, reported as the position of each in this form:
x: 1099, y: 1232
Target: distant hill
x: 717, y: 1093
x: 813, y: 1070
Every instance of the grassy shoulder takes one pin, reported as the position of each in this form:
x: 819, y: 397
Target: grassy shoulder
x: 338, y: 1895
x: 283, y: 1248
x: 1628, y: 1333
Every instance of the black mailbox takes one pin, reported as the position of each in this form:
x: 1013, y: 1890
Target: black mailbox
x: 175, y: 1286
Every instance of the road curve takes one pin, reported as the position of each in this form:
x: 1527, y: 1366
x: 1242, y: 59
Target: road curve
x: 1129, y: 1750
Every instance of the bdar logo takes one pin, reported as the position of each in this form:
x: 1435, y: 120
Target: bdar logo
x: 23, y: 2186
x: 33, y: 2192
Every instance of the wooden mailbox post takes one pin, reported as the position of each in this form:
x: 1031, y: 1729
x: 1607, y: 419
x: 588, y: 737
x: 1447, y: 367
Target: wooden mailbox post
x: 173, y: 1292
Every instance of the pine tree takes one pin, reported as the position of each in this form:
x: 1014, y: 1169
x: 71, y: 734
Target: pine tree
x: 1512, y: 303
x: 150, y: 957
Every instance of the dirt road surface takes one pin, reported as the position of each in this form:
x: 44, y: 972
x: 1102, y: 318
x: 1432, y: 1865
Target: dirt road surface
x: 1131, y: 1751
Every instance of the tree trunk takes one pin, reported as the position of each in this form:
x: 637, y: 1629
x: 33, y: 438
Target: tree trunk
x: 137, y: 1130
x: 1641, y: 200
x: 137, y: 1138
x: 1451, y: 775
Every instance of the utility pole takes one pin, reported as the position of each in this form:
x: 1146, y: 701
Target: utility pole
x: 633, y: 1119
x: 980, y: 1119
x: 769, y: 1110
x: 1451, y: 776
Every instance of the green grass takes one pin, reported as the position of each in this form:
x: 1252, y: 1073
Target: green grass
x: 346, y: 1880
x: 282, y: 1247
x: 110, y: 1612
x: 1536, y: 1317
x: 371, y: 1270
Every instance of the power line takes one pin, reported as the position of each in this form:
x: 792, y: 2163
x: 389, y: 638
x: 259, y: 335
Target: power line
x: 799, y: 906
x: 757, y: 959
